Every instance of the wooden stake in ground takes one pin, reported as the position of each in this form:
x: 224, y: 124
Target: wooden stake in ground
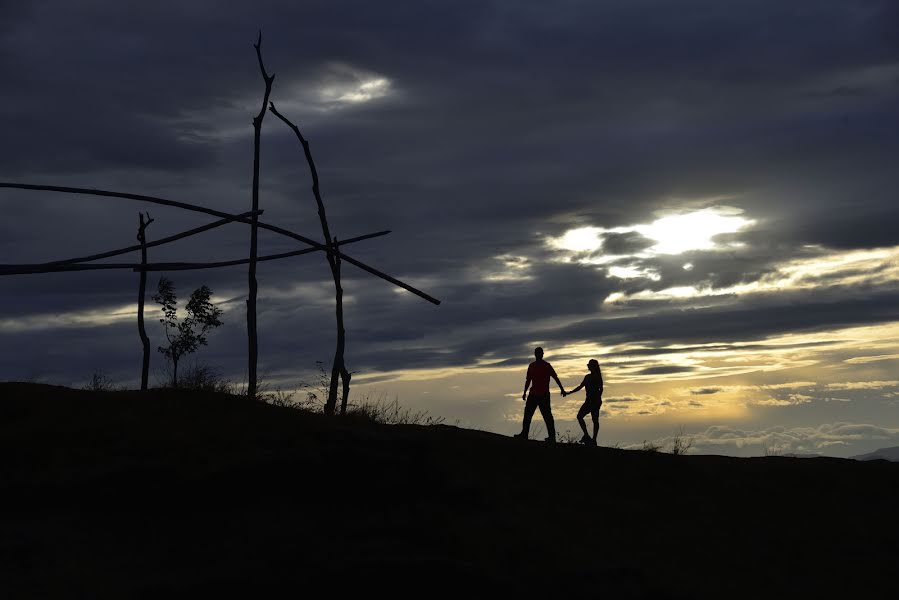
x: 339, y: 363
x: 251, y: 275
x: 338, y: 367
x: 144, y: 340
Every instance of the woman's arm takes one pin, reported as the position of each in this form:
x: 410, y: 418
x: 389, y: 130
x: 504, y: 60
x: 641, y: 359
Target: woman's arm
x: 578, y: 388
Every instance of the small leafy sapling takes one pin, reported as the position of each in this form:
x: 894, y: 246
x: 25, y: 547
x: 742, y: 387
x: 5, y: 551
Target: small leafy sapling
x: 187, y: 335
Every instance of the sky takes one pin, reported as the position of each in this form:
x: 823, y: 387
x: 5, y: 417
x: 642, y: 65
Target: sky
x: 700, y: 195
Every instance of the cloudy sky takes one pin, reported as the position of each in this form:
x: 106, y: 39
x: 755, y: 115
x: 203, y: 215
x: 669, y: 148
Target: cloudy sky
x: 701, y: 195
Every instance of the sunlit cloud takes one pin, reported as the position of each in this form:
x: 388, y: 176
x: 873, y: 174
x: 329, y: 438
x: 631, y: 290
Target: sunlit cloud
x: 728, y: 439
x: 356, y: 92
x: 832, y: 268
x: 582, y: 239
x: 70, y: 320
x: 867, y: 359
x: 673, y: 234
x: 631, y: 272
x: 508, y: 267
x: 679, y: 233
x: 334, y: 87
x: 863, y: 385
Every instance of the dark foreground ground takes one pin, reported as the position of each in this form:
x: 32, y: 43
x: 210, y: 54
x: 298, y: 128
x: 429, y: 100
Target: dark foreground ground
x: 118, y: 495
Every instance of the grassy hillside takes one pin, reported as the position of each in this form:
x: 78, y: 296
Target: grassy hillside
x: 118, y: 494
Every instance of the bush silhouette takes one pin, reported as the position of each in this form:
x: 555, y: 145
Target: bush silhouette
x: 187, y: 335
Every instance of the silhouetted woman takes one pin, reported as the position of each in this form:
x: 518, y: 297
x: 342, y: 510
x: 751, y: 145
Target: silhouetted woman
x: 593, y: 384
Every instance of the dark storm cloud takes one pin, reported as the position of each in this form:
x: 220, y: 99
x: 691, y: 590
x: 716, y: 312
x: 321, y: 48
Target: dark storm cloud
x: 506, y: 123
x: 746, y: 322
x: 665, y: 370
x: 629, y: 242
x: 705, y: 391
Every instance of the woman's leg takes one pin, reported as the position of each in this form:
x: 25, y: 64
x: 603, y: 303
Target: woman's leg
x: 595, y: 414
x: 580, y: 419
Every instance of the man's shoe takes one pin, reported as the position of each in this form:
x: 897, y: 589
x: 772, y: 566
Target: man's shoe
x: 520, y: 436
x: 551, y: 440
x: 587, y: 440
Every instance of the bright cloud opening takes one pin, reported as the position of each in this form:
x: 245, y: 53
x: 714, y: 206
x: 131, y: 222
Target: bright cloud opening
x: 675, y: 234
x: 347, y: 85
x: 672, y: 234
x: 583, y: 239
x: 364, y: 92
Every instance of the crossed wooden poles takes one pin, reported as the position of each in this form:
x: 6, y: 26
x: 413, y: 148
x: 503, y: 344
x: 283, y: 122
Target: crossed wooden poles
x: 331, y: 248
x: 83, y: 263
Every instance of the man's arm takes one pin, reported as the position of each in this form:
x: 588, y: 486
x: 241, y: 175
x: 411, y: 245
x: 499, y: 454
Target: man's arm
x: 556, y: 377
x: 527, y: 384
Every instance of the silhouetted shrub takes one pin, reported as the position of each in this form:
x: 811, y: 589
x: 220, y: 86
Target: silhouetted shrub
x: 680, y: 443
x: 185, y: 336
x: 651, y: 446
x: 568, y: 438
x: 202, y: 378
x: 100, y: 382
x: 389, y: 412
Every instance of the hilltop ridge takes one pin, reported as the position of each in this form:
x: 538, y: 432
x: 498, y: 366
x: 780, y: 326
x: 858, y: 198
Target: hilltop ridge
x: 167, y: 493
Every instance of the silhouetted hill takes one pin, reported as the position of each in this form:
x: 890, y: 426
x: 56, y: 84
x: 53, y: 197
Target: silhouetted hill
x: 123, y: 495
x: 884, y: 454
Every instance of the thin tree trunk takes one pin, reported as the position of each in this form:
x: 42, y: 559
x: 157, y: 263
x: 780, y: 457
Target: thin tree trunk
x: 145, y: 341
x: 174, y: 371
x: 252, y: 349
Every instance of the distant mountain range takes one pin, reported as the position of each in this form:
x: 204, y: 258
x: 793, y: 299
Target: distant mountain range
x: 884, y: 453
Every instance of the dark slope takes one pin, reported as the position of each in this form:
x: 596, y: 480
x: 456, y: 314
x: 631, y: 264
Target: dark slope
x: 121, y: 495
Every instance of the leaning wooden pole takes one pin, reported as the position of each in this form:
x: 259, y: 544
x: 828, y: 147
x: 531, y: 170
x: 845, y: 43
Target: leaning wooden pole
x: 252, y: 348
x: 127, y: 249
x: 66, y: 266
x: 142, y: 289
x: 338, y: 367
x: 222, y: 215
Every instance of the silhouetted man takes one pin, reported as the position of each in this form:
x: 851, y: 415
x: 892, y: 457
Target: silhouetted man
x: 592, y: 403
x: 537, y: 379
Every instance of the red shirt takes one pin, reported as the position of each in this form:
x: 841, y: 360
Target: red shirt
x: 539, y: 373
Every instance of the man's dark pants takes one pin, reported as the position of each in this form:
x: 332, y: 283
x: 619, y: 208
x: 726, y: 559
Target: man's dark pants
x: 541, y: 401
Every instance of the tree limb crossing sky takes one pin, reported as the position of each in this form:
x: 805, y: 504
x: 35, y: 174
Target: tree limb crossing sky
x: 701, y: 195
